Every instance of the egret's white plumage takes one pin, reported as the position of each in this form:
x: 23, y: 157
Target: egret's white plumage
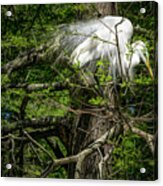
x: 77, y: 33
x: 138, y: 54
x: 99, y: 42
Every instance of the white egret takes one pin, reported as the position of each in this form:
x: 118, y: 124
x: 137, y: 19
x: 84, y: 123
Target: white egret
x: 102, y: 44
x: 77, y: 33
x: 102, y: 40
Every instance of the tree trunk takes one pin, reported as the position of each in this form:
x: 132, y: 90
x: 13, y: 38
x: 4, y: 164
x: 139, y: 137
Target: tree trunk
x: 96, y: 128
x: 88, y: 128
x: 105, y: 9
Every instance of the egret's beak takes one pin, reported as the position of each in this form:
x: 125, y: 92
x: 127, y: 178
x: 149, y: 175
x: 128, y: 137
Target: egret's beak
x: 149, y: 68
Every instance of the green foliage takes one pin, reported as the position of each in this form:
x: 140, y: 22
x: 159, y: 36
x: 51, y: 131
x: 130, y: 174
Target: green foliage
x: 97, y: 101
x: 102, y: 73
x: 33, y: 25
x: 130, y: 157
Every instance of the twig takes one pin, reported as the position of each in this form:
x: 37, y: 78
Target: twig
x: 35, y: 152
x: 118, y: 46
x: 101, y: 163
x: 107, y: 26
x: 12, y: 150
x: 38, y: 144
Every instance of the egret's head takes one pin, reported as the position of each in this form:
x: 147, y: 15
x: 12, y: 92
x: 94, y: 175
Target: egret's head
x: 141, y: 52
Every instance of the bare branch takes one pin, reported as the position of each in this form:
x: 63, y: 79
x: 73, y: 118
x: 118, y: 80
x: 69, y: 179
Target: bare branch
x: 79, y: 158
x: 38, y: 144
x: 148, y: 137
x: 118, y: 46
x: 47, y: 122
x: 146, y: 33
x: 91, y: 148
x: 32, y: 57
x: 36, y: 86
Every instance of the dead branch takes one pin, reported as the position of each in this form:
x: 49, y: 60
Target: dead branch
x: 41, y: 128
x: 118, y: 46
x: 37, y: 144
x: 79, y: 158
x: 33, y: 57
x: 141, y: 30
x: 91, y: 148
x: 148, y: 137
x: 36, y: 86
x: 47, y: 122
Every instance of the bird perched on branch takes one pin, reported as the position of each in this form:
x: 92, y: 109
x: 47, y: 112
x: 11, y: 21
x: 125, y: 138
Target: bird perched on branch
x: 111, y: 41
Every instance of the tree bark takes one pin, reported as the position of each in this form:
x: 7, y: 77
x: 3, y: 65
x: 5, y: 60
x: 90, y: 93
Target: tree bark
x: 89, y: 128
x: 105, y: 9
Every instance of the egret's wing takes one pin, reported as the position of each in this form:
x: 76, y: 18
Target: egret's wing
x: 85, y: 52
x: 79, y: 32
